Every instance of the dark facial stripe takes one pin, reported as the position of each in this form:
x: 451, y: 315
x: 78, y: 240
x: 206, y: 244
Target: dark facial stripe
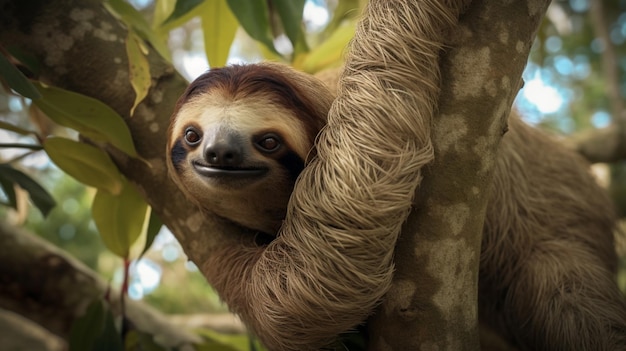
x: 293, y: 163
x: 178, y: 154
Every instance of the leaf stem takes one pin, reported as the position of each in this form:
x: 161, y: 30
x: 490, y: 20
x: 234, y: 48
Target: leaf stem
x: 21, y: 146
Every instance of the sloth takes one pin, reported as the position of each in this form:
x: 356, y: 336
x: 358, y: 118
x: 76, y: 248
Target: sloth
x: 239, y: 156
x: 240, y: 136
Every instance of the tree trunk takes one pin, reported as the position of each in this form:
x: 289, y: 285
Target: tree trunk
x: 432, y: 300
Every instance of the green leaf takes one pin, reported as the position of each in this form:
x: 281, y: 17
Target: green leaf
x: 346, y: 10
x: 162, y: 10
x: 290, y: 13
x: 86, y: 329
x: 9, y: 191
x: 136, y: 340
x: 182, y: 8
x: 331, y: 52
x: 253, y: 15
x: 164, y: 28
x: 219, y: 26
x: 211, y: 345
x: 119, y: 218
x: 138, y: 69
x: 88, y: 116
x: 223, y: 342
x: 8, y: 126
x: 38, y: 195
x: 134, y: 19
x: 26, y: 59
x: 17, y: 80
x: 110, y: 339
x: 154, y: 226
x: 87, y: 164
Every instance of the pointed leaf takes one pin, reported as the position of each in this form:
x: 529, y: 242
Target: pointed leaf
x: 330, y: 53
x: 154, y: 226
x: 26, y: 59
x: 345, y: 10
x: 17, y: 80
x: 290, y: 13
x: 196, y: 11
x: 139, y: 245
x: 86, y: 329
x: 301, y: 46
x: 119, y: 218
x: 136, y: 20
x: 182, y: 8
x: 88, y: 164
x: 9, y: 190
x: 253, y: 15
x: 87, y: 115
x: 162, y: 10
x: 110, y: 339
x: 38, y: 195
x: 138, y: 69
x: 219, y: 26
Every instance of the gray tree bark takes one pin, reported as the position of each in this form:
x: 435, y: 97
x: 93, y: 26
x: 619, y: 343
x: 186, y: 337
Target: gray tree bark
x: 431, y: 303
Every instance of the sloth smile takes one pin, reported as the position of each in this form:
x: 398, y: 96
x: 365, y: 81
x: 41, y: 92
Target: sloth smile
x: 228, y: 171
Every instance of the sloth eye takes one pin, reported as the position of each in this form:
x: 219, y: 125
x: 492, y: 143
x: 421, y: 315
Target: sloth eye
x: 192, y: 137
x: 269, y: 143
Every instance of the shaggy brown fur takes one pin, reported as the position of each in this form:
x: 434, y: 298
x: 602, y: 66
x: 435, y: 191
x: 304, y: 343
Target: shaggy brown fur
x: 332, y: 262
x: 548, y: 260
x: 547, y: 266
x: 232, y: 113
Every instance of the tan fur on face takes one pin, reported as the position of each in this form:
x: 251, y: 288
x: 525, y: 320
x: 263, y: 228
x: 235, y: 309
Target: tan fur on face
x: 266, y: 198
x: 214, y: 107
x: 249, y: 101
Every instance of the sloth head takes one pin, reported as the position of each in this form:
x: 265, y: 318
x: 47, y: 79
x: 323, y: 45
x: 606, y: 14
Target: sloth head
x: 240, y: 136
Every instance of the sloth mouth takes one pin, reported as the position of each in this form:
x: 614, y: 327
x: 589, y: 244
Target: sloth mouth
x: 228, y: 171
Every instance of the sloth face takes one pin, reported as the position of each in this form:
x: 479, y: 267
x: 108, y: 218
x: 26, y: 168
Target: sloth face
x: 238, y: 141
x: 239, y: 159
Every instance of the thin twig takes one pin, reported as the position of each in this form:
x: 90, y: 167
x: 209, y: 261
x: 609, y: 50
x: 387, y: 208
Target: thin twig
x: 21, y: 146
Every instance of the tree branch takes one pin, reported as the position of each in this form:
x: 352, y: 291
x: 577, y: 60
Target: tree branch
x: 19, y: 333
x: 600, y: 145
x: 47, y: 286
x: 432, y: 302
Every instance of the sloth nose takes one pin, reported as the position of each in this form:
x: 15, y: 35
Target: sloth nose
x: 222, y: 155
x: 223, y: 150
